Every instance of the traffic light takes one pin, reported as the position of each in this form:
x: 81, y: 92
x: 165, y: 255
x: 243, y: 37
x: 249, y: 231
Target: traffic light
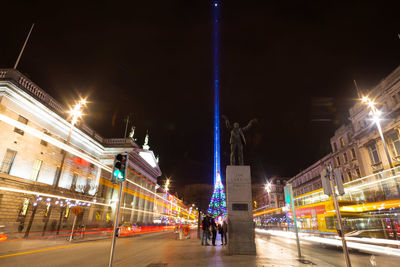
x: 339, y: 181
x: 120, y: 165
x: 326, y: 184
x: 287, y: 194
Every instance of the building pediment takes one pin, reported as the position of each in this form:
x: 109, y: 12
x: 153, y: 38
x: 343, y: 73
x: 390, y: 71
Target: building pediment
x: 144, y: 161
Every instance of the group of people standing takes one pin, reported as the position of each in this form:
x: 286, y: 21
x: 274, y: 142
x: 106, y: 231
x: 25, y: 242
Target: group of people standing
x: 210, y: 228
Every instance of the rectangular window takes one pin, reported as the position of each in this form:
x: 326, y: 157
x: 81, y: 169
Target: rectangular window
x: 341, y: 142
x: 74, y: 179
x: 36, y: 169
x: 56, y: 175
x: 22, y: 120
x: 386, y: 106
x: 358, y: 172
x: 25, y: 206
x: 334, y: 147
x: 353, y: 153
x: 338, y: 161
x: 8, y: 161
x: 394, y: 99
x: 345, y: 157
x: 373, y: 154
x: 348, y: 137
x: 395, y: 144
x: 349, y: 175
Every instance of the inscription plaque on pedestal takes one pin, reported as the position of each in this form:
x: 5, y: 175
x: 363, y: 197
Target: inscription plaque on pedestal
x: 240, y: 212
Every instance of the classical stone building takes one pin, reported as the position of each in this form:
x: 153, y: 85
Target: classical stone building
x: 34, y: 129
x: 386, y: 95
x: 357, y: 148
x: 268, y: 203
x: 272, y: 195
x: 346, y: 153
x: 310, y: 179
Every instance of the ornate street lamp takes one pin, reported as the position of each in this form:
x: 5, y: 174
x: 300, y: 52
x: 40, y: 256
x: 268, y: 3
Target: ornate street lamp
x: 76, y: 113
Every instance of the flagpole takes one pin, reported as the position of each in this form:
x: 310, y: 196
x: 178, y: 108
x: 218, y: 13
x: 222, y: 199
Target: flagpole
x: 23, y: 47
x: 359, y: 93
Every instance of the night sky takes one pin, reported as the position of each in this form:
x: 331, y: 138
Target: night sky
x: 289, y: 64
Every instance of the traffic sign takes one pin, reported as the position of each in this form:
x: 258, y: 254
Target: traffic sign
x: 76, y: 210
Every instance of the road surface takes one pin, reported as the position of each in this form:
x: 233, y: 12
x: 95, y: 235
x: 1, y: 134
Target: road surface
x: 162, y: 249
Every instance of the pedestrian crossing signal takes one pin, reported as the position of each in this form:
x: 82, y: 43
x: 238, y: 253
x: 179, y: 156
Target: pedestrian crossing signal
x: 119, y: 169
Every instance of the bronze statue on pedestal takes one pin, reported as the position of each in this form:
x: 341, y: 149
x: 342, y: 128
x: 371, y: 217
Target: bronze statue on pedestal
x: 237, y: 140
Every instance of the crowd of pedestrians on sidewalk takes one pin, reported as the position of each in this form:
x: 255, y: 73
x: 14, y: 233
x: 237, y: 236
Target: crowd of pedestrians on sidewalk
x: 210, y: 228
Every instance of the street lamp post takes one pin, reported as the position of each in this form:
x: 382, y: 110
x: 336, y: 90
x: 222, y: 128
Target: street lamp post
x: 376, y: 117
x: 76, y: 113
x: 376, y: 114
x: 166, y: 186
x: 268, y: 189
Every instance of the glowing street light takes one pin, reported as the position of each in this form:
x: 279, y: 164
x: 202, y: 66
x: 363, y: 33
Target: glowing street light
x: 376, y: 118
x: 167, y: 182
x: 268, y: 187
x: 76, y: 113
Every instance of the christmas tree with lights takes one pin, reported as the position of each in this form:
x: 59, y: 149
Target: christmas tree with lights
x: 217, y: 206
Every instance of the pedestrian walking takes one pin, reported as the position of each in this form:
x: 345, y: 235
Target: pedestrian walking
x: 205, y: 225
x: 224, y: 230
x: 213, y: 230
x: 221, y: 232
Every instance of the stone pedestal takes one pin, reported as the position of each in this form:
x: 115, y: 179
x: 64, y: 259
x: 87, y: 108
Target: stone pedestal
x: 240, y: 211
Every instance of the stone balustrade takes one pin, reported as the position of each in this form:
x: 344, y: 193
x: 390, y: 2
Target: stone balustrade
x: 23, y: 82
x: 116, y: 141
x: 33, y: 89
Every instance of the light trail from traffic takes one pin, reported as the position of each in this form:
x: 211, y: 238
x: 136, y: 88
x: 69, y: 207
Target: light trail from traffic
x: 335, y: 242
x: 73, y: 151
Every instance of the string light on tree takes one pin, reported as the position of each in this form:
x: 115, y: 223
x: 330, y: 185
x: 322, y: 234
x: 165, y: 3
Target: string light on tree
x: 217, y: 206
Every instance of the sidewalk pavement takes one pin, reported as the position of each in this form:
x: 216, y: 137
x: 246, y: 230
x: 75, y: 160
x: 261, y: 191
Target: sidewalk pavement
x: 155, y: 250
x: 190, y: 252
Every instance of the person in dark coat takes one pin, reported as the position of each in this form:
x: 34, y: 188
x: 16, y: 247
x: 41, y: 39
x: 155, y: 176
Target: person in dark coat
x: 224, y: 231
x: 205, y: 225
x: 213, y: 231
x: 221, y: 232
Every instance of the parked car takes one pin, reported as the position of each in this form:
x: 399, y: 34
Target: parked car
x: 127, y: 229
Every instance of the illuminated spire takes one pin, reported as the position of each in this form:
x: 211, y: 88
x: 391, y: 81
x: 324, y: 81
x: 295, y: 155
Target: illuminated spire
x: 217, y: 206
x: 217, y: 160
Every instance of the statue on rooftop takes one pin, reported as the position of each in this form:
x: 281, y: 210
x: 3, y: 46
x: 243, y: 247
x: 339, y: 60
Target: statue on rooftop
x: 237, y: 140
x: 132, y: 133
x: 146, y: 141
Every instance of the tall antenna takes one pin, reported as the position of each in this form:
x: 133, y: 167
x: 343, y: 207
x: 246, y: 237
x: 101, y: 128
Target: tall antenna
x: 359, y: 92
x: 23, y: 47
x: 126, y: 125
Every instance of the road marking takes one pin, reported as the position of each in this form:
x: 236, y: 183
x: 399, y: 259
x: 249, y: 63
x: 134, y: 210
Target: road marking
x: 39, y: 250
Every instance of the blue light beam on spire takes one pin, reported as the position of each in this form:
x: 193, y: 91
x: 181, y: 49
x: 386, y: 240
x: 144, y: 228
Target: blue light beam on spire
x: 217, y: 160
x: 217, y: 206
